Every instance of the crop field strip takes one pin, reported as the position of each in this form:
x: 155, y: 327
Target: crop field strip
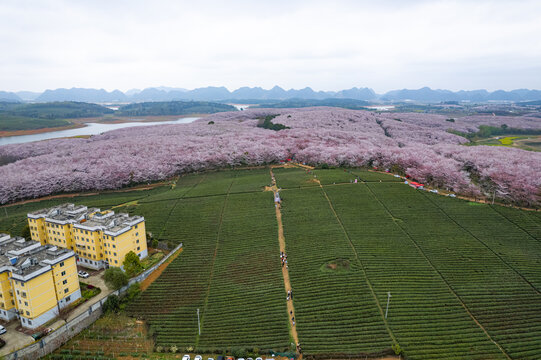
x: 373, y: 176
x: 423, y: 313
x: 213, y: 291
x: 516, y: 248
x: 500, y: 300
x: 527, y: 221
x: 170, y: 303
x: 246, y: 303
x: 335, y: 310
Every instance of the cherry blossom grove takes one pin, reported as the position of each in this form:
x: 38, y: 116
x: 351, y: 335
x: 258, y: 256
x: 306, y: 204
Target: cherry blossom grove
x: 417, y: 144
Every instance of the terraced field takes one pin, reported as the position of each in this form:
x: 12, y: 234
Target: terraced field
x: 464, y: 278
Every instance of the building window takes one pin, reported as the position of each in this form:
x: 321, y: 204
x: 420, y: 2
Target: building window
x: 65, y: 282
x: 24, y: 294
x: 61, y: 264
x: 68, y: 298
x: 138, y: 248
x: 29, y: 322
x: 136, y: 234
x: 66, y: 290
x: 26, y: 303
x: 62, y: 273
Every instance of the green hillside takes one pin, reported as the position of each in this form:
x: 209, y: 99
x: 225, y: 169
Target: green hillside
x: 16, y: 116
x: 464, y: 277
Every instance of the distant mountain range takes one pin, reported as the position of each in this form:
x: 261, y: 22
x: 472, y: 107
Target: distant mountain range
x: 423, y: 95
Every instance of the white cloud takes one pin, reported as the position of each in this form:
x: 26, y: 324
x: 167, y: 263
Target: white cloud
x: 322, y: 44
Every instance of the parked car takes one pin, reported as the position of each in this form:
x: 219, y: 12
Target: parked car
x: 249, y: 359
x: 258, y: 358
x: 210, y: 358
x: 220, y: 357
x: 2, y: 330
x: 186, y: 357
x: 83, y: 274
x: 240, y: 359
x: 198, y: 357
x: 230, y: 358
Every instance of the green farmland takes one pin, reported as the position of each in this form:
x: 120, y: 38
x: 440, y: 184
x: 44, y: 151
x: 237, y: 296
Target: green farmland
x: 465, y: 281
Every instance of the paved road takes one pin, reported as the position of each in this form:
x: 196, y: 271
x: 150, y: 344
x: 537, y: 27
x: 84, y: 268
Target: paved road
x: 97, y: 281
x: 14, y: 339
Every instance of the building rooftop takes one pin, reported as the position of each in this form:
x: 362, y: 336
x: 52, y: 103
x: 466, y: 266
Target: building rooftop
x: 110, y: 222
x: 69, y: 213
x: 25, y: 257
x: 88, y: 218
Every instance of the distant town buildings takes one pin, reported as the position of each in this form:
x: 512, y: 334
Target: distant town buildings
x: 99, y: 238
x: 36, y: 281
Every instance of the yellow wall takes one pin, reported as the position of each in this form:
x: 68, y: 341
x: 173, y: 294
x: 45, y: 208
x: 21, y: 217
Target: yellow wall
x: 116, y: 247
x: 59, y: 235
x: 6, y: 292
x: 91, y: 240
x: 37, y: 230
x: 40, y: 295
x: 65, y: 278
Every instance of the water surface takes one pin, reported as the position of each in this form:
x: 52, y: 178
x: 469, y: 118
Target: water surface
x: 89, y: 129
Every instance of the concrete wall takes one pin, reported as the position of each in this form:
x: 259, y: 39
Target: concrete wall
x: 8, y: 315
x: 62, y: 335
x: 40, y: 320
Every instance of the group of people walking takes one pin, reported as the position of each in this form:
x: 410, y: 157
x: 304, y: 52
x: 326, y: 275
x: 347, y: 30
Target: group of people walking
x: 283, y: 258
x: 289, y: 295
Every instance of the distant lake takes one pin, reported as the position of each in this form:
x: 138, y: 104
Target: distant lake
x: 89, y: 129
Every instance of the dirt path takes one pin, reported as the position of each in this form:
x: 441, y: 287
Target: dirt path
x: 285, y: 271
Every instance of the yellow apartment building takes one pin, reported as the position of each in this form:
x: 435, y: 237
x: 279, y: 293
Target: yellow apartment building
x: 36, y: 281
x: 99, y: 238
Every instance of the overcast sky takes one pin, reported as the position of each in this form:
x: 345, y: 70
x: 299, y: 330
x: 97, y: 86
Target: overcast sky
x: 327, y: 45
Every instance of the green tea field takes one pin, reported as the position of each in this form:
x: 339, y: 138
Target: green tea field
x: 463, y: 278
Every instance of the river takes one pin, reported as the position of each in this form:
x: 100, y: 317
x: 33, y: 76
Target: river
x: 89, y: 129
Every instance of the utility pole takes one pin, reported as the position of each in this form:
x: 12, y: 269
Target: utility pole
x: 388, y: 301
x: 198, y: 323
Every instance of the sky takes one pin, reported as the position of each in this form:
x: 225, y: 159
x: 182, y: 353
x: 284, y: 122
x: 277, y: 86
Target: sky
x: 326, y: 45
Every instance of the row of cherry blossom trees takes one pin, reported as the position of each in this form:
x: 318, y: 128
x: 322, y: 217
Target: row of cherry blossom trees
x: 417, y: 144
